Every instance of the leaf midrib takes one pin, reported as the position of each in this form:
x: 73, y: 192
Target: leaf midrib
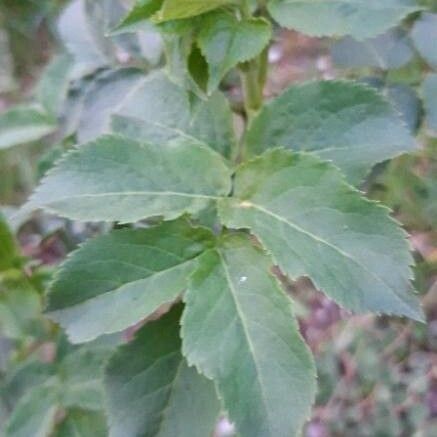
x: 246, y: 334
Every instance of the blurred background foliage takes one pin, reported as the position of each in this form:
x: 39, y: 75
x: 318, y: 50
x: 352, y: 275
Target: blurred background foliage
x: 377, y: 375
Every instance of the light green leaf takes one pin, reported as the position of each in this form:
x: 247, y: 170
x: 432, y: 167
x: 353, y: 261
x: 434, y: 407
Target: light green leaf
x: 152, y: 392
x: 116, y: 280
x: 102, y: 99
x: 177, y: 9
x: 429, y: 91
x: 358, y: 18
x: 424, y: 34
x: 346, y: 122
x: 24, y: 124
x: 35, y: 413
x: 225, y: 41
x: 138, y: 16
x: 387, y: 51
x: 8, y: 247
x: 158, y: 110
x: 117, y: 179
x: 238, y: 328
x: 79, y: 423
x: 53, y: 86
x: 316, y: 225
x: 79, y: 33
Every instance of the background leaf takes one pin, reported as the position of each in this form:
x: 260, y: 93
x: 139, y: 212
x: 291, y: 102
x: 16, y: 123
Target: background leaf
x: 430, y: 98
x: 424, y: 33
x: 341, y: 17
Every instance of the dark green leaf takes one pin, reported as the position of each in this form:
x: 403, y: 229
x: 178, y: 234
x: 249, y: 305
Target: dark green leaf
x: 346, y: 122
x: 238, y: 328
x: 116, y: 280
x: 138, y: 16
x: 80, y: 423
x: 116, y: 179
x: 152, y: 392
x: 316, y: 225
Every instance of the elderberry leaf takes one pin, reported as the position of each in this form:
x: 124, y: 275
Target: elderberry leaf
x: 238, y: 329
x: 225, y: 41
x: 342, y: 121
x: 177, y: 9
x: 117, y: 179
x: 314, y: 224
x: 358, y: 18
x: 152, y: 392
x: 118, y: 279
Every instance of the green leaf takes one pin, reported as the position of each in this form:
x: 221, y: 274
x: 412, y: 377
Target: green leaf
x: 358, y: 18
x: 79, y: 32
x: 116, y: 280
x: 138, y: 16
x: 316, y: 225
x: 20, y: 305
x: 174, y: 114
x: 102, y: 99
x: 238, y: 328
x: 117, y: 179
x: 80, y: 423
x: 53, y: 86
x: 424, y: 34
x: 8, y: 247
x: 429, y: 91
x: 82, y: 378
x: 346, y: 122
x: 35, y: 413
x: 225, y: 41
x: 24, y: 124
x: 177, y: 9
x: 387, y: 51
x: 152, y: 392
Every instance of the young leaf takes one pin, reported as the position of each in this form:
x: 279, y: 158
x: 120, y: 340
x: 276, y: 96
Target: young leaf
x: 387, y: 51
x: 117, y: 179
x: 358, y: 18
x: 430, y: 99
x: 8, y: 247
x: 174, y: 114
x: 346, y: 122
x: 116, y: 280
x: 152, y: 392
x: 138, y: 16
x: 316, y: 225
x: 225, y: 41
x: 238, y: 329
x: 53, y: 86
x: 177, y: 9
x: 80, y: 423
x: 424, y: 34
x: 24, y: 124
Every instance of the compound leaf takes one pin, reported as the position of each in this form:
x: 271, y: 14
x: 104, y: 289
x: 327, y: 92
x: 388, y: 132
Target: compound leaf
x: 316, y: 225
x: 117, y: 179
x: 116, y: 280
x: 158, y: 110
x: 346, y: 122
x: 225, y: 41
x: 238, y: 329
x: 152, y: 392
x: 341, y: 17
x: 24, y: 124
